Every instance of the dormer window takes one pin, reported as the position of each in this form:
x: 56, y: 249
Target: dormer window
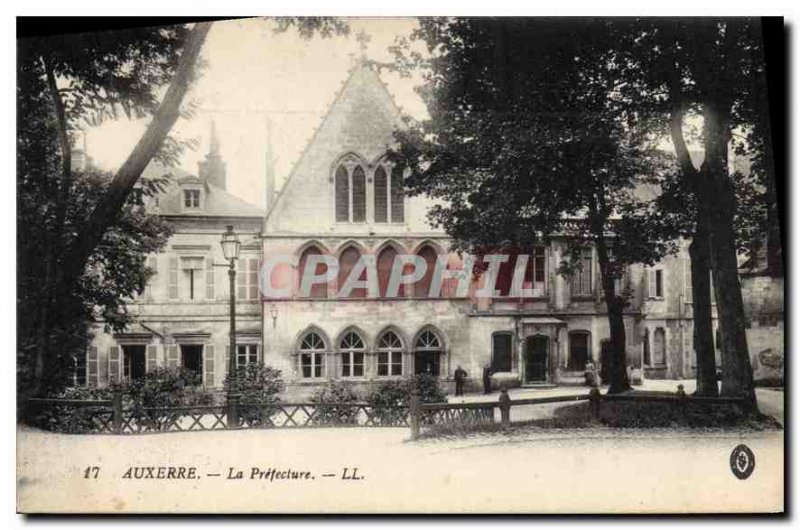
x: 191, y: 199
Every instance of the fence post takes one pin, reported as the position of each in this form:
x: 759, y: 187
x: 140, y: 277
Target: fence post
x: 116, y: 406
x: 233, y: 410
x: 594, y: 403
x: 414, y: 411
x: 505, y: 408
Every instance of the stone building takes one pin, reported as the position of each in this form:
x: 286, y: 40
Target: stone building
x: 182, y: 318
x: 343, y: 201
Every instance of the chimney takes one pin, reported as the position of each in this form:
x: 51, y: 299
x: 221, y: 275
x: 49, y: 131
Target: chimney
x: 269, y: 159
x: 212, y: 169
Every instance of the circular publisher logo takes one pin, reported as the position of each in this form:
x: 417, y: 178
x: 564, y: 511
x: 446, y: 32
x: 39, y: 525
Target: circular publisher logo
x: 743, y: 461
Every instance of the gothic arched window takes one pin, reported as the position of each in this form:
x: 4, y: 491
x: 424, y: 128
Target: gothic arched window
x: 423, y: 287
x: 390, y: 355
x: 347, y: 261
x: 312, y: 355
x: 389, y: 196
x: 318, y: 290
x: 352, y: 350
x: 427, y: 351
x: 350, y: 191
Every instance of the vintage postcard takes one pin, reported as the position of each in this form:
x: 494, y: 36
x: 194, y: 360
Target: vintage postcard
x: 401, y: 265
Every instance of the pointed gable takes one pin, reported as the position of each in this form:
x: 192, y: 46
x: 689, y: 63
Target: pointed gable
x: 361, y: 120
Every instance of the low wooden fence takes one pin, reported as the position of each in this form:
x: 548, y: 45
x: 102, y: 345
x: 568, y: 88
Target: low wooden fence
x: 426, y: 415
x: 109, y: 416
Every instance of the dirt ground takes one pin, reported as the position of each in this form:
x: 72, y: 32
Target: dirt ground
x: 379, y: 470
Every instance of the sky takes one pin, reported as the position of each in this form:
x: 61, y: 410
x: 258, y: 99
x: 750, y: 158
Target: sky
x: 253, y: 75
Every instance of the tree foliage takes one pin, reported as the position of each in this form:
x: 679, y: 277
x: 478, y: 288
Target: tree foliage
x: 532, y: 136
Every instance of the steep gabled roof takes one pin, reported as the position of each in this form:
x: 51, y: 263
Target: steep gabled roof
x: 361, y: 75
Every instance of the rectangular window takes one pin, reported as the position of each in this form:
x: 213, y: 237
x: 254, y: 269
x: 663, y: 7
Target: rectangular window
x: 311, y: 364
x: 538, y: 265
x: 655, y: 283
x: 79, y: 369
x: 246, y: 354
x: 352, y: 364
x: 390, y: 363
x: 501, y: 352
x: 191, y: 198
x: 582, y: 279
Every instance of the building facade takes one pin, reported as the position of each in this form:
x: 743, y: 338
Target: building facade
x: 182, y: 318
x: 343, y: 202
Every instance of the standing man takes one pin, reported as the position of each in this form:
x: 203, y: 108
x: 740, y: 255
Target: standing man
x: 487, y: 379
x: 460, y: 375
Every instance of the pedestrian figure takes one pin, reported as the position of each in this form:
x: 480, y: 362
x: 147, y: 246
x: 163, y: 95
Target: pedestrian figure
x: 487, y: 379
x: 460, y: 375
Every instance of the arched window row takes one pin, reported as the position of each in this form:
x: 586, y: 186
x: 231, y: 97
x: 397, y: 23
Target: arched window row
x: 385, y: 261
x: 351, y: 358
x: 352, y: 189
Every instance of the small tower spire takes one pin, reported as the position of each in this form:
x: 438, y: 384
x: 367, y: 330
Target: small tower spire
x: 212, y: 169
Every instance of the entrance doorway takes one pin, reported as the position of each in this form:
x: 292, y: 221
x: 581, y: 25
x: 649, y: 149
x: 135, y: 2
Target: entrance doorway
x: 537, y: 349
x: 193, y: 358
x: 578, y: 350
x: 606, y: 351
x: 426, y: 362
x: 133, y: 362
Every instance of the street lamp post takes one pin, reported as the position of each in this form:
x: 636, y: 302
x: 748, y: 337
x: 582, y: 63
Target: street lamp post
x: 230, y: 249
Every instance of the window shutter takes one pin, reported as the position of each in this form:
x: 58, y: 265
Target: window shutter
x: 687, y: 280
x: 209, y: 279
x: 114, y: 364
x: 172, y: 287
x: 252, y: 279
x: 151, y: 358
x: 651, y: 283
x: 91, y: 366
x: 208, y: 379
x: 173, y: 356
x: 241, y: 279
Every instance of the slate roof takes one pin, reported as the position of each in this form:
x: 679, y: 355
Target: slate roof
x: 217, y: 202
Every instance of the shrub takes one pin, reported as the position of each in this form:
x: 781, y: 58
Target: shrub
x: 164, y: 387
x: 389, y: 402
x: 428, y: 387
x: 330, y: 400
x: 258, y: 387
x: 70, y: 419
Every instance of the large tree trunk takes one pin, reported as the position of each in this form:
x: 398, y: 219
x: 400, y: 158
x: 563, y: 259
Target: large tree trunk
x: 614, y: 304
x: 700, y: 254
x: 737, y: 372
x: 110, y: 206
